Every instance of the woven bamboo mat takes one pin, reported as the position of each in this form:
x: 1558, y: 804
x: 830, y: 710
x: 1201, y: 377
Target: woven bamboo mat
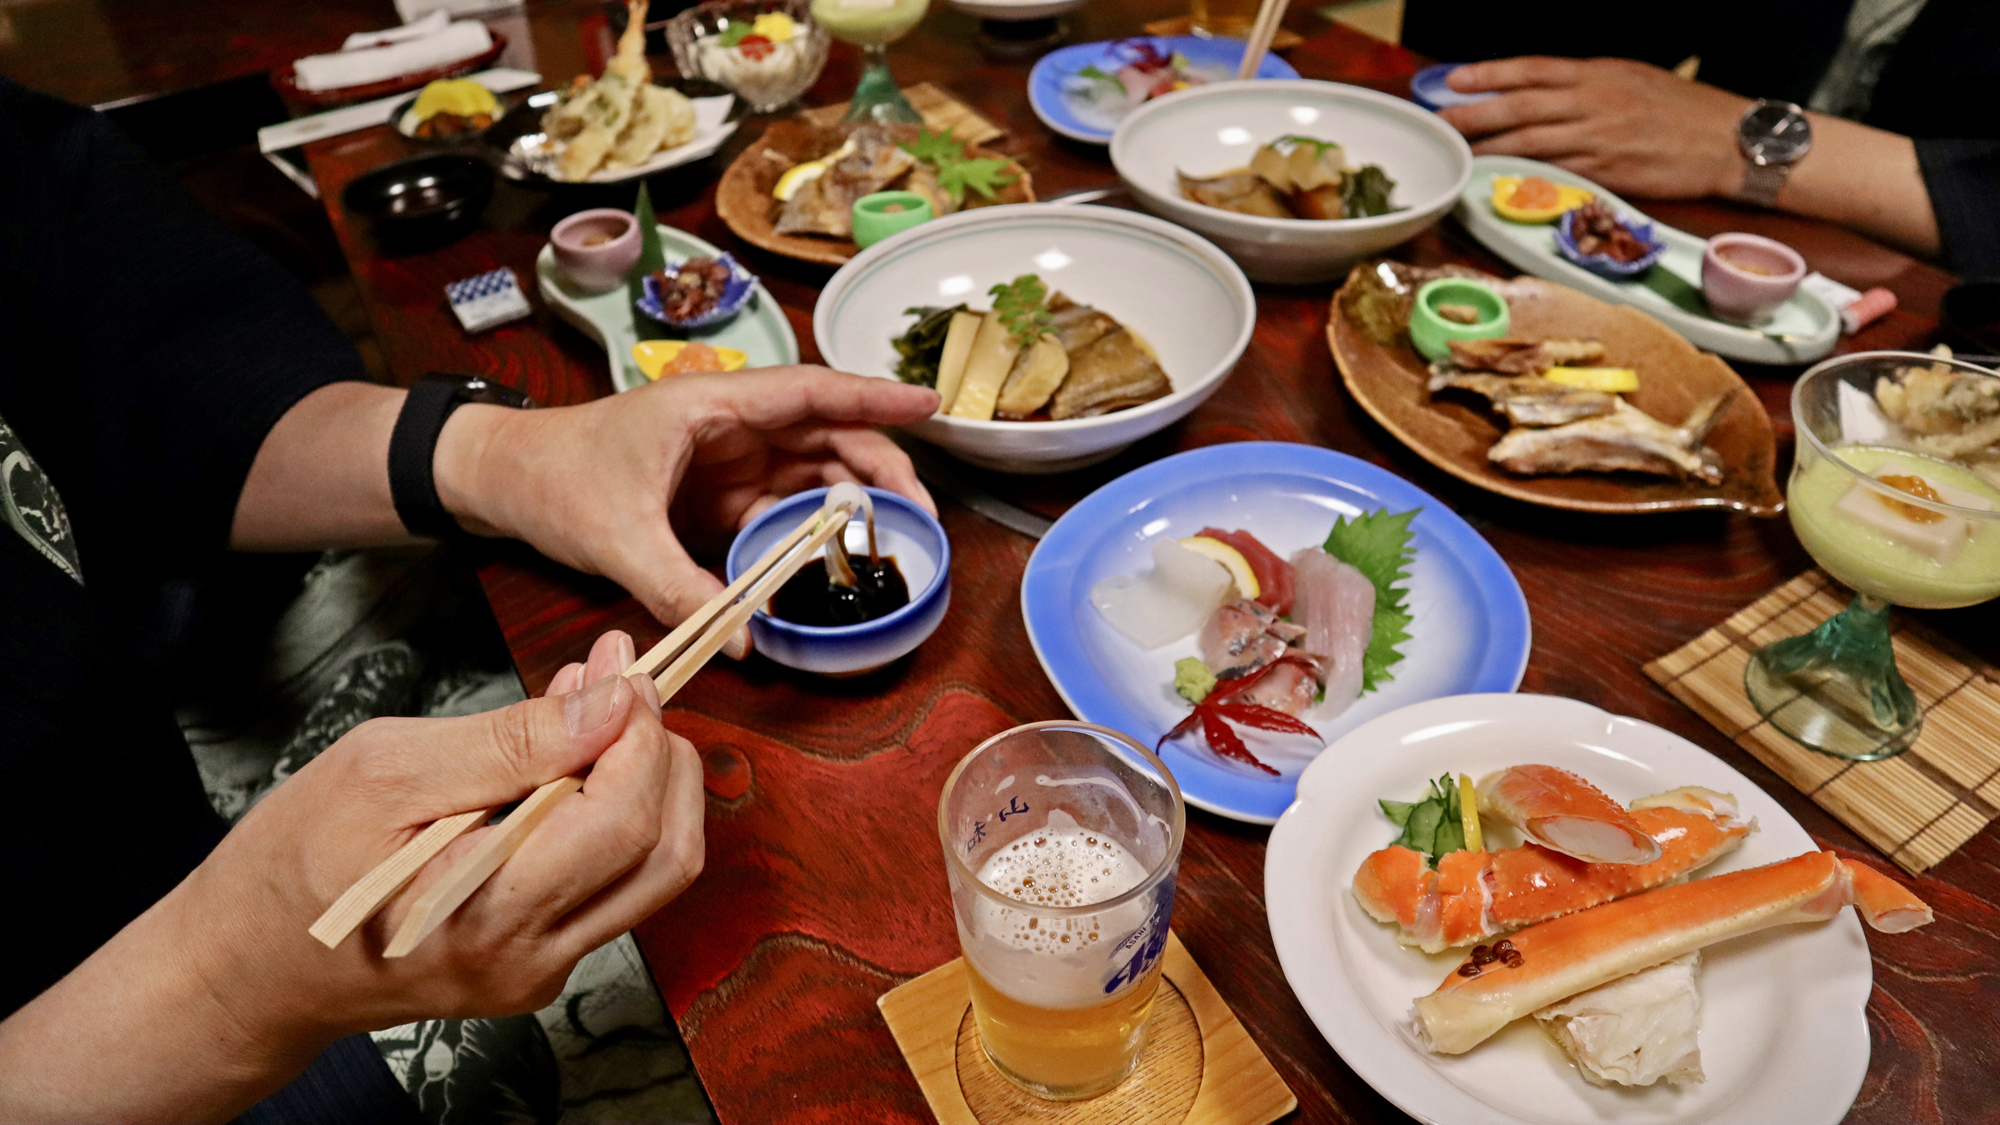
x: 1917, y: 807
x: 941, y: 112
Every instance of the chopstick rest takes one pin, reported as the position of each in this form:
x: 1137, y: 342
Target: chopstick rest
x: 671, y: 663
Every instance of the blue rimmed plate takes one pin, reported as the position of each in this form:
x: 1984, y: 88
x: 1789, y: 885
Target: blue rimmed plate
x: 1470, y: 633
x: 1215, y: 59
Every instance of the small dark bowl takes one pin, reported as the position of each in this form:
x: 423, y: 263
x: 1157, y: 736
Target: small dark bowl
x: 1971, y: 315
x: 423, y: 197
x: 459, y: 141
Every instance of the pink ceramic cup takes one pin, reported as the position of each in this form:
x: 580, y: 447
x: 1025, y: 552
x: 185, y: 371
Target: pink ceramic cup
x: 1745, y: 276
x: 596, y: 248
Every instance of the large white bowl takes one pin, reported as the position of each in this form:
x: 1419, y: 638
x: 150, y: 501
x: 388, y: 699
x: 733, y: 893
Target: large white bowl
x: 1211, y: 129
x: 1176, y: 290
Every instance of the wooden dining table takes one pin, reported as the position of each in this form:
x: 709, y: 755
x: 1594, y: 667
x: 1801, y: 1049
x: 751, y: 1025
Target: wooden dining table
x: 825, y: 884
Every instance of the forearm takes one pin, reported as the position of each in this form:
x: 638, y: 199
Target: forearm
x: 140, y: 1032
x: 321, y: 476
x: 1867, y: 180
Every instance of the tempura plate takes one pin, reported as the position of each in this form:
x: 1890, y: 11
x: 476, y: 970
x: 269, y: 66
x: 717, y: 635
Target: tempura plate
x: 1453, y: 430
x: 1470, y: 631
x: 1784, y: 1036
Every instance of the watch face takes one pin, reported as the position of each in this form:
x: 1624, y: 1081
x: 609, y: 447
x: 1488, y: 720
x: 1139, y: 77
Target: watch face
x: 1775, y: 133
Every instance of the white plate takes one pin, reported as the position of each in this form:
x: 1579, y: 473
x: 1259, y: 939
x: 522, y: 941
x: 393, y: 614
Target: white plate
x: 1784, y: 1037
x: 1801, y: 330
x: 528, y: 158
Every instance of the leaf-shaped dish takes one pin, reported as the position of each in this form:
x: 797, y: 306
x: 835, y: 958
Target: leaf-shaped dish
x: 744, y: 201
x: 1454, y: 430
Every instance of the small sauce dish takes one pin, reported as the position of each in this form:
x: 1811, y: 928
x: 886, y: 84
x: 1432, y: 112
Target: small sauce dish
x: 1432, y: 330
x: 904, y: 531
x: 1745, y: 276
x: 884, y: 213
x: 597, y: 249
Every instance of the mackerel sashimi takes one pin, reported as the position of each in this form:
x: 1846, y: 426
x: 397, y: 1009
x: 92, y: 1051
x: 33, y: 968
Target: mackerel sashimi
x: 1336, y: 604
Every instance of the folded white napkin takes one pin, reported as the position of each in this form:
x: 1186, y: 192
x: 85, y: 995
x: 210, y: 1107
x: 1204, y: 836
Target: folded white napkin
x: 452, y: 43
x: 416, y: 29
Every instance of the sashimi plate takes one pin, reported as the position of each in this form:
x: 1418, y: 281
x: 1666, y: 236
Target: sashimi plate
x: 1470, y: 631
x: 1784, y: 1035
x: 1215, y: 59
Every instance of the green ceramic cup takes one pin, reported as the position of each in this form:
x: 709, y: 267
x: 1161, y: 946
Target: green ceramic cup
x: 1432, y: 334
x: 878, y: 216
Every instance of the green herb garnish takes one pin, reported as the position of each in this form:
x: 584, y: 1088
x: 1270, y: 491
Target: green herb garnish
x: 922, y: 347
x: 1101, y: 78
x: 1378, y: 545
x: 734, y: 34
x: 1433, y: 824
x: 957, y: 172
x: 1319, y: 147
x: 1366, y: 192
x: 652, y: 259
x: 1020, y: 305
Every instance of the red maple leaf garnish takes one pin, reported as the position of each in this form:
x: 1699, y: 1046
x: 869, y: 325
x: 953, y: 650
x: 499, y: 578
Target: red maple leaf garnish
x: 1214, y: 713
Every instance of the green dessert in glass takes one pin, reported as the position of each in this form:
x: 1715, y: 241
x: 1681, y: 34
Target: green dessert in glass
x: 872, y: 25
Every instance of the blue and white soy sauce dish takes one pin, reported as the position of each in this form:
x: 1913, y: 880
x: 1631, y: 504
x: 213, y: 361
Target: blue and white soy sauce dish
x: 904, y: 532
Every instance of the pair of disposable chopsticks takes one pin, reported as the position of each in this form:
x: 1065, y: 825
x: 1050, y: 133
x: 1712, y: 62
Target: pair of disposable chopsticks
x: 1269, y: 15
x: 671, y: 663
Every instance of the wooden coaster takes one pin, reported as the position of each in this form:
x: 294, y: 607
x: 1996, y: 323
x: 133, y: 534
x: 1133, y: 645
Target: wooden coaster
x: 1199, y: 1065
x: 1917, y: 807
x: 1184, y: 25
x: 941, y: 112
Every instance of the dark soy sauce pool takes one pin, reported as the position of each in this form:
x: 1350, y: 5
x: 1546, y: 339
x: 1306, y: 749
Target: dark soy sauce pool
x: 811, y: 598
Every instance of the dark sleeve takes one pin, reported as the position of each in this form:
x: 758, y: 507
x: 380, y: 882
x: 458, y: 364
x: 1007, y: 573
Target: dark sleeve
x: 158, y: 347
x: 1964, y: 181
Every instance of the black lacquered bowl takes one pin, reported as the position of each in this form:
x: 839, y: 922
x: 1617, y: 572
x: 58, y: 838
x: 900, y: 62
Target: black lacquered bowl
x: 423, y: 196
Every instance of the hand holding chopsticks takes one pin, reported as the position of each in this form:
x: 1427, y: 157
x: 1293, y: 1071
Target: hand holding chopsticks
x: 671, y: 663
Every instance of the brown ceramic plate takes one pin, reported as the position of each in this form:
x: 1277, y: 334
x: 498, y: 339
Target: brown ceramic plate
x: 743, y: 198
x: 1455, y: 430
x: 285, y: 80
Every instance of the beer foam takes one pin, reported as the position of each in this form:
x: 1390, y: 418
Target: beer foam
x: 1055, y: 962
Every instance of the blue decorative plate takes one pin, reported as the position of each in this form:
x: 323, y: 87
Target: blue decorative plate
x: 1604, y: 265
x: 735, y: 294
x: 1217, y: 59
x: 1470, y: 632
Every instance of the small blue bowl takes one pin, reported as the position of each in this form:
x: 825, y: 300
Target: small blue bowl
x: 1428, y: 88
x: 735, y: 295
x: 903, y: 530
x: 1604, y: 265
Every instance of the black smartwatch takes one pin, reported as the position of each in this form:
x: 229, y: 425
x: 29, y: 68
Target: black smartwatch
x: 413, y: 445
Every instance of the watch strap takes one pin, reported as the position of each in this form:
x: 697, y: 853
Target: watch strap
x: 412, y: 452
x: 1762, y: 182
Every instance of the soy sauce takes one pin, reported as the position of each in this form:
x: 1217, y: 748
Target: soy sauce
x: 812, y: 598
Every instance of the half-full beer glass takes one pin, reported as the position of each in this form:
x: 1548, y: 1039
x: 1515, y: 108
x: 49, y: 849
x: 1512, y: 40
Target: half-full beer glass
x: 1062, y: 840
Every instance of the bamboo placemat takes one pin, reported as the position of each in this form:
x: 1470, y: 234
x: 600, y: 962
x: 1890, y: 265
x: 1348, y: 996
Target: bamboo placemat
x: 1917, y: 807
x: 941, y: 112
x: 1199, y: 1066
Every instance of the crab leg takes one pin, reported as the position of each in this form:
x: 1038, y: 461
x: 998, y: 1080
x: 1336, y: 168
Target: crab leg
x: 1561, y: 811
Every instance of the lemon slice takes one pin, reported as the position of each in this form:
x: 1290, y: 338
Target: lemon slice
x: 652, y: 355
x: 1611, y: 380
x: 797, y: 175
x: 1468, y: 814
x: 1231, y: 559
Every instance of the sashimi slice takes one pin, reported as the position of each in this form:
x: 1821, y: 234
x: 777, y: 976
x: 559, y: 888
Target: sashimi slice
x: 1274, y: 574
x: 1336, y: 604
x: 1167, y: 603
x: 1557, y: 809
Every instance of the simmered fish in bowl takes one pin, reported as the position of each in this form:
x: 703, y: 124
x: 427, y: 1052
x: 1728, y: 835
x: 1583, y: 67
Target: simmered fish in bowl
x: 1057, y: 335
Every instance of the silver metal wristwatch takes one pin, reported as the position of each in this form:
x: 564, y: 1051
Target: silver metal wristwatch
x: 1772, y: 136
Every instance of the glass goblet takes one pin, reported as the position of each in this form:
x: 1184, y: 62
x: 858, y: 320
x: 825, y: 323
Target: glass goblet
x: 872, y: 25
x: 1895, y: 492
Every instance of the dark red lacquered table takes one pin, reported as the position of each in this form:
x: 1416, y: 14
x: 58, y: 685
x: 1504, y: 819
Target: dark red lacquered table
x: 824, y: 887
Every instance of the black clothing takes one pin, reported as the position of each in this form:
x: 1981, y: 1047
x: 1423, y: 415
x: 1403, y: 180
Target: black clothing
x: 148, y: 352
x: 1937, y: 87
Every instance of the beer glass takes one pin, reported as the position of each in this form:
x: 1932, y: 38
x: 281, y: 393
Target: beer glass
x: 1062, y: 840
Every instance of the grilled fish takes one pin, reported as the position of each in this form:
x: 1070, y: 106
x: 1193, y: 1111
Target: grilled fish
x: 1524, y: 357
x: 1527, y: 400
x: 1626, y: 439
x: 1109, y: 369
x: 825, y: 204
x: 1245, y: 193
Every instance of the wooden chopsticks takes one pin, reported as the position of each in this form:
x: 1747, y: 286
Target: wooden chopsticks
x: 1269, y: 15
x: 671, y: 663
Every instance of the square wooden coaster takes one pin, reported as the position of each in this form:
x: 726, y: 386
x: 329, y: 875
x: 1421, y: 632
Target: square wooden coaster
x: 941, y: 112
x: 1917, y: 807
x: 1199, y: 1066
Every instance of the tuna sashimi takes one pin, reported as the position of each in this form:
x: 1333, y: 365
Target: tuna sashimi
x: 1336, y: 604
x: 1274, y: 574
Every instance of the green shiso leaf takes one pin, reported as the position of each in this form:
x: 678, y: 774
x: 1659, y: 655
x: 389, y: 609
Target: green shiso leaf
x: 1378, y: 545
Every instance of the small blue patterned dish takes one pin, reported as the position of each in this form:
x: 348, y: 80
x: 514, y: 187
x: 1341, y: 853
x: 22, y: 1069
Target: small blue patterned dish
x: 1604, y: 265
x: 736, y: 294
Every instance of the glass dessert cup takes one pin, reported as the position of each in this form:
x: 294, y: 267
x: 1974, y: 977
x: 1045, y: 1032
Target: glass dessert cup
x: 767, y: 75
x: 872, y: 25
x: 1895, y: 492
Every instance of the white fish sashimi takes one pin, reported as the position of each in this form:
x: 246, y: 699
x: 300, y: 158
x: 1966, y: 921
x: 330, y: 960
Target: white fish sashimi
x: 1336, y: 604
x: 1635, y: 1030
x: 1168, y: 603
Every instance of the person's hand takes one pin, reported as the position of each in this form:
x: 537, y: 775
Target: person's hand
x: 1636, y: 129
x: 623, y: 486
